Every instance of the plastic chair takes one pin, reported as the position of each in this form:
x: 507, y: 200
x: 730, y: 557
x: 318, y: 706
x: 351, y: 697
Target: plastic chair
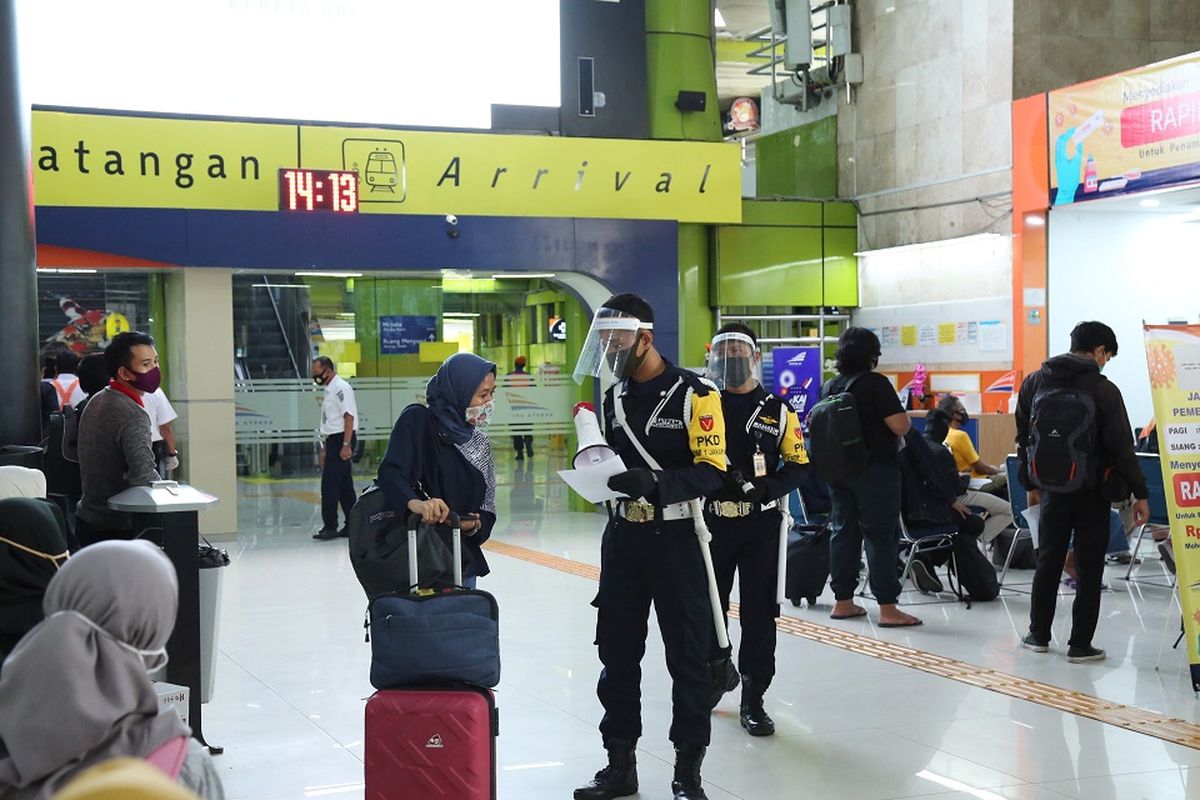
x: 1159, y: 518
x: 1018, y: 503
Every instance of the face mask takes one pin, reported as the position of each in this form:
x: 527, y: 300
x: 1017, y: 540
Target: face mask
x: 737, y: 372
x: 480, y: 416
x: 319, y: 380
x: 147, y: 381
x: 51, y: 558
x: 632, y: 363
x: 963, y: 418
x: 152, y: 659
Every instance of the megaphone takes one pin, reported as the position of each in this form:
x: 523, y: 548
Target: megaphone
x: 592, y: 447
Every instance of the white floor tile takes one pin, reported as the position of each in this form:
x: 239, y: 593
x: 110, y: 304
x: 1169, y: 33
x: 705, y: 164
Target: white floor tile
x: 293, y: 677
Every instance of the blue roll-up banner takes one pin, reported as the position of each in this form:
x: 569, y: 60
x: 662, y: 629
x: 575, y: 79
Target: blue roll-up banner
x: 797, y: 377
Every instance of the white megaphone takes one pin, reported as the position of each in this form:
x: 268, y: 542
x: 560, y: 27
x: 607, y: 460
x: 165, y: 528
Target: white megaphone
x: 592, y: 447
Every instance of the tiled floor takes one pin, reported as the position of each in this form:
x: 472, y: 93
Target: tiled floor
x: 292, y: 681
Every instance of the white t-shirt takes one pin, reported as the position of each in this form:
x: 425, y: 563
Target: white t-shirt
x: 160, y: 411
x: 339, y: 401
x: 67, y: 387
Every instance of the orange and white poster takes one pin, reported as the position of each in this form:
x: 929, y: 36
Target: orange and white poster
x: 1130, y: 132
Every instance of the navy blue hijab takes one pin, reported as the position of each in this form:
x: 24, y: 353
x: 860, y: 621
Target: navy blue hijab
x: 450, y: 390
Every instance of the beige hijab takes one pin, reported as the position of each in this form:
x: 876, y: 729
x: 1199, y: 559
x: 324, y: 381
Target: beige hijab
x: 76, y: 690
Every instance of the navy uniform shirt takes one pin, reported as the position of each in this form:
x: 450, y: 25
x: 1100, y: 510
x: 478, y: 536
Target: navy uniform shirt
x: 678, y: 418
x: 761, y: 422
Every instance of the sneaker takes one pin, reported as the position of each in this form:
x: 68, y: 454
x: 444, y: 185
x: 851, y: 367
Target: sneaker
x: 923, y: 577
x: 1030, y: 643
x: 325, y: 534
x: 1079, y: 655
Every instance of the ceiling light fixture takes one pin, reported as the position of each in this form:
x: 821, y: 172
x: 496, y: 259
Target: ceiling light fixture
x: 279, y: 286
x: 460, y: 314
x: 328, y: 274
x: 67, y: 270
x: 1150, y: 202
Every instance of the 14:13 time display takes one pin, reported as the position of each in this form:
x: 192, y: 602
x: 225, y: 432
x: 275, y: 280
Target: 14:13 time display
x: 318, y: 190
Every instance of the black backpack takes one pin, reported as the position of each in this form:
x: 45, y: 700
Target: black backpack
x: 977, y: 579
x: 839, y: 450
x: 927, y: 489
x: 1062, y: 435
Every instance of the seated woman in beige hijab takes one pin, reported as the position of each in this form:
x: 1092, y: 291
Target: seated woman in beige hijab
x: 76, y: 690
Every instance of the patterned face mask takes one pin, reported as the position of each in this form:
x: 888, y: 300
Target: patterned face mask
x: 480, y: 416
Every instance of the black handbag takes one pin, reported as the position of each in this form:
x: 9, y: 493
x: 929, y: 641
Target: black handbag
x: 379, y: 550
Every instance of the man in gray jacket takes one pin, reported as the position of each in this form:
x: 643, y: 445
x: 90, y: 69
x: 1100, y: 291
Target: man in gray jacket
x: 114, y: 438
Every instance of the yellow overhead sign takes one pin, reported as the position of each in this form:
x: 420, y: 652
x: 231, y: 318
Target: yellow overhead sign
x: 83, y: 159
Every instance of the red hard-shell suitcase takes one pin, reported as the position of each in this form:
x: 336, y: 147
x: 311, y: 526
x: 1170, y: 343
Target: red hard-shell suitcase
x: 430, y: 743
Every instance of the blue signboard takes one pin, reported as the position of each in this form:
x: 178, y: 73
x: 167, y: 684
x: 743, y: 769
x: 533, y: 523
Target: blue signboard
x: 403, y: 335
x: 797, y: 377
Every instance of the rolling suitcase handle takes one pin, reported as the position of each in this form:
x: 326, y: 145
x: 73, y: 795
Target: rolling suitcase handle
x: 414, y: 522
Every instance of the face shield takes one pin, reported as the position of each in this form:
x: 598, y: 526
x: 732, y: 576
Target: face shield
x: 610, y: 345
x: 734, y: 361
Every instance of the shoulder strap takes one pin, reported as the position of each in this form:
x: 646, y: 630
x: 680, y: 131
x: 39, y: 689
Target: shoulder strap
x: 619, y: 411
x: 64, y: 392
x: 853, y: 381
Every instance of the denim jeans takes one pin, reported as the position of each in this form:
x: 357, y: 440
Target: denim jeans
x: 866, y: 508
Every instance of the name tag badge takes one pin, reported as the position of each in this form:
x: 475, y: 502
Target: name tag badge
x: 760, y: 465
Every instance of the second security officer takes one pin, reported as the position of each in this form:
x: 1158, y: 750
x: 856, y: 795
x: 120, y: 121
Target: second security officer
x: 766, y: 463
x: 667, y: 426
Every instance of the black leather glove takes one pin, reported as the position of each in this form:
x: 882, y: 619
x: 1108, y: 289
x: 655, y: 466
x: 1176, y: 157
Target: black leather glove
x: 635, y: 483
x: 757, y: 491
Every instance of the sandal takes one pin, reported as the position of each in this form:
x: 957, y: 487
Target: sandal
x: 858, y: 612
x: 909, y: 623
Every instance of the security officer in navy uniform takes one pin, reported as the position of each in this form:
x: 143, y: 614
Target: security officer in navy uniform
x: 650, y: 551
x: 767, y: 462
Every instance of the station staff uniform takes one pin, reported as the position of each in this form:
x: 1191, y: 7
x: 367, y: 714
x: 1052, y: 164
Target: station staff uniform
x: 746, y: 534
x: 650, y: 553
x: 337, y: 480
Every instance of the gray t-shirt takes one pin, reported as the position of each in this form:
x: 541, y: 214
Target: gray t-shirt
x: 114, y: 454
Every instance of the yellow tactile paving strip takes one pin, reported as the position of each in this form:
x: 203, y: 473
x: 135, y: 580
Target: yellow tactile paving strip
x: 1160, y: 726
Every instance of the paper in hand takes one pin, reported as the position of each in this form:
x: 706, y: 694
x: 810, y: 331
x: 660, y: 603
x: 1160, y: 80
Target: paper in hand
x: 591, y: 482
x: 1033, y: 516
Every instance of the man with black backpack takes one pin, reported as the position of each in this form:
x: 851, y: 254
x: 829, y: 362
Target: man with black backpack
x: 1075, y: 447
x: 855, y: 432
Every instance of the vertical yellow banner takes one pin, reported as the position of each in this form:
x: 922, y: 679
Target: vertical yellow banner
x: 1173, y: 358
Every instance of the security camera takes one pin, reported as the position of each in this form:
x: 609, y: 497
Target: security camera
x: 451, y: 219
x: 452, y: 226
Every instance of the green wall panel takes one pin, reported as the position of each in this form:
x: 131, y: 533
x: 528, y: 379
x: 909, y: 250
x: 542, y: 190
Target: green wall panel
x: 841, y: 267
x: 843, y: 215
x: 769, y: 266
x: 781, y: 212
x: 799, y: 162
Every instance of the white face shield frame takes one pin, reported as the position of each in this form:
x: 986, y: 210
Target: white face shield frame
x: 609, y: 344
x: 734, y: 361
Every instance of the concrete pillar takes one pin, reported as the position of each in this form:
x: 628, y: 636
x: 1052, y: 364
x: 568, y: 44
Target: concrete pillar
x: 199, y: 324
x: 680, y: 56
x: 20, y: 415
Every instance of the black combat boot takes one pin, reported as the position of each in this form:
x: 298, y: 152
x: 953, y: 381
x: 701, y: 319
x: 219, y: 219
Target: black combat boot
x: 687, y: 785
x: 754, y: 717
x: 618, y: 779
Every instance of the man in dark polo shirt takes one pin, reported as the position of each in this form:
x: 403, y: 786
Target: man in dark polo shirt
x: 114, y: 438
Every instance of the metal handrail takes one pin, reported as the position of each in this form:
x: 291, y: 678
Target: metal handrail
x: 282, y: 330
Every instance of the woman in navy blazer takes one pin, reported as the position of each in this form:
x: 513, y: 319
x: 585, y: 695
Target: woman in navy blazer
x: 439, y: 459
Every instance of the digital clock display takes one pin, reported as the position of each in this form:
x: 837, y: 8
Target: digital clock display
x: 318, y: 190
